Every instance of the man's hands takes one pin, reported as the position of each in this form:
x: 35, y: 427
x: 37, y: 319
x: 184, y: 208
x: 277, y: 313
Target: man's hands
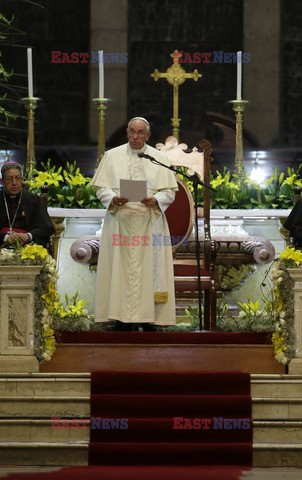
x: 119, y: 201
x: 149, y: 202
x: 14, y: 238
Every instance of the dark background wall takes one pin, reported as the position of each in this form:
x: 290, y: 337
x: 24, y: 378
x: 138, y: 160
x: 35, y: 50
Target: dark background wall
x: 291, y: 74
x: 190, y: 26
x: 62, y: 115
x: 155, y: 29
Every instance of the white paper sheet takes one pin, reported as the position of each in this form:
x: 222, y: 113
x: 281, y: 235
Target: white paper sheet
x: 134, y: 190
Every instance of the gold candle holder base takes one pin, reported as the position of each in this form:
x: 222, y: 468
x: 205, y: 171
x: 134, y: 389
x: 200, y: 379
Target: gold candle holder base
x: 239, y: 107
x: 30, y: 105
x: 101, y: 105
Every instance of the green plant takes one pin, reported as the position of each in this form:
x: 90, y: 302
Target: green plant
x: 232, y: 276
x: 71, y: 316
x: 67, y: 188
x: 6, y: 115
x: 12, y: 91
x: 243, y: 193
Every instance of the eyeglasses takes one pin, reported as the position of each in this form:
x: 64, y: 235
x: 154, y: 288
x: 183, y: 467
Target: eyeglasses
x: 140, y: 133
x: 12, y: 179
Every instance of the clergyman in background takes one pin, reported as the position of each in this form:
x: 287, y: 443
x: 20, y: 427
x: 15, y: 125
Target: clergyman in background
x: 23, y: 215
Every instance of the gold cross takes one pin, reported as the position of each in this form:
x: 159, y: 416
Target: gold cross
x: 175, y: 75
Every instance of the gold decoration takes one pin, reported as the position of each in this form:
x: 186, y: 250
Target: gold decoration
x: 101, y: 105
x: 239, y: 107
x: 30, y: 105
x: 160, y: 297
x: 175, y: 75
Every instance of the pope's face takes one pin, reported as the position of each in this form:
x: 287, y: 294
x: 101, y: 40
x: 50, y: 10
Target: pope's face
x: 12, y: 181
x: 137, y: 134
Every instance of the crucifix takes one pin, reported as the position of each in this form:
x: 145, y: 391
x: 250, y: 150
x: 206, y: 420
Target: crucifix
x: 175, y: 75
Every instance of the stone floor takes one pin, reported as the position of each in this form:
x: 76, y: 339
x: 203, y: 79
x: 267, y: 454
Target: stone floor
x: 276, y: 473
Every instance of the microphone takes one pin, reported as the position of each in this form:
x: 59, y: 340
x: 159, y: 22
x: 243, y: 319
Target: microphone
x: 156, y: 162
x: 144, y: 155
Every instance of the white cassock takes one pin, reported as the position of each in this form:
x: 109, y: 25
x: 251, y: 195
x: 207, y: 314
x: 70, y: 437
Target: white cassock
x: 135, y: 283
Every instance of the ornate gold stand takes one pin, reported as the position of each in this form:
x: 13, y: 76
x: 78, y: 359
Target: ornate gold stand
x: 239, y: 107
x: 59, y: 224
x: 30, y: 105
x: 101, y: 104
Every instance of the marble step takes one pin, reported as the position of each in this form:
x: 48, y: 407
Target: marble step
x: 44, y: 407
x: 272, y: 473
x: 45, y: 385
x: 69, y: 384
x: 76, y: 453
x: 277, y: 431
x: 44, y: 453
x: 277, y: 455
x: 276, y: 386
x: 40, y: 430
x: 267, y: 408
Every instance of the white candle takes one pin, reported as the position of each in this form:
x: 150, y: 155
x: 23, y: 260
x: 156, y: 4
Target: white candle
x: 101, y: 74
x: 30, y: 72
x: 239, y: 75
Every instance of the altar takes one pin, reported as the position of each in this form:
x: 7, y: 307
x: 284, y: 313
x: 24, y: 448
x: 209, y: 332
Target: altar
x: 75, y: 277
x: 75, y: 223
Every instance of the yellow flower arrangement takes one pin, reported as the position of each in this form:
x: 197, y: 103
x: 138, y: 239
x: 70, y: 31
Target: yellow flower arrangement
x: 291, y: 254
x: 34, y: 252
x: 284, y: 336
x: 50, y: 177
x: 278, y: 341
x: 71, y: 316
x: 67, y: 188
x: 77, y: 179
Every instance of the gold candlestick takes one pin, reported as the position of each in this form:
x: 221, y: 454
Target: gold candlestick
x: 30, y: 105
x: 239, y: 107
x: 101, y: 105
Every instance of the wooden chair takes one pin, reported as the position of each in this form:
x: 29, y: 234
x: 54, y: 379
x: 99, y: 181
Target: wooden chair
x: 44, y: 197
x: 180, y: 216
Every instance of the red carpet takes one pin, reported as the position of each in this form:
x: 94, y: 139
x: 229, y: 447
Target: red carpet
x: 166, y: 337
x: 153, y: 403
x: 136, y: 473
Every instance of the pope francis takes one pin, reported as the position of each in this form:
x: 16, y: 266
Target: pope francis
x: 135, y: 281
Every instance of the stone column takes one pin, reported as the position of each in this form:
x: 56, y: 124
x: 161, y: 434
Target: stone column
x: 261, y: 77
x: 17, y: 315
x: 109, y: 33
x: 295, y: 366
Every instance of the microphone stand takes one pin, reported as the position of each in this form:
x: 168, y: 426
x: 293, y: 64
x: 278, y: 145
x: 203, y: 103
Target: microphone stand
x: 196, y: 181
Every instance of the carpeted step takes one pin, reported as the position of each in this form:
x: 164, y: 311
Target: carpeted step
x: 231, y: 382
x: 170, y: 405
x: 163, y: 430
x: 148, y: 404
x: 204, y: 338
x: 181, y: 453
